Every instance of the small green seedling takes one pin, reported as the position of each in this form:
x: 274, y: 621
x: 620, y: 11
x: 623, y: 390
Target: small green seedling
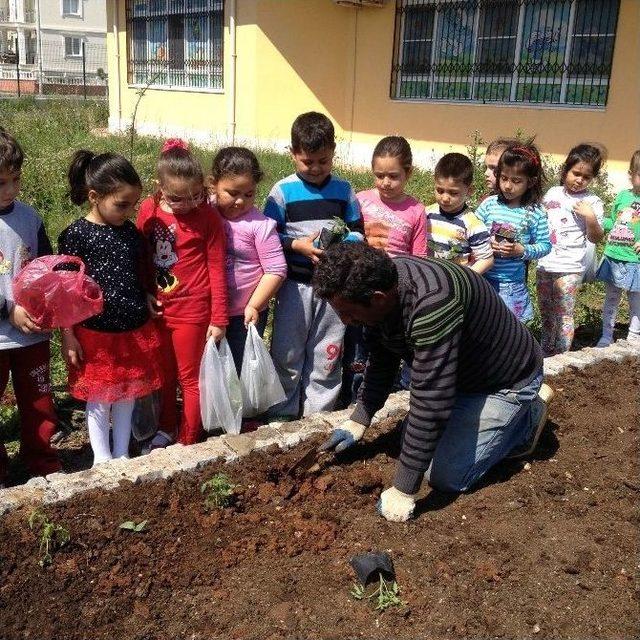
x: 52, y: 536
x: 217, y: 491
x: 386, y: 595
x: 130, y: 525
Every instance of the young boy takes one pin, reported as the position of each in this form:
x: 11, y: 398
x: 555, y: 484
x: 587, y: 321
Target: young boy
x: 24, y: 348
x: 454, y: 232
x: 307, y: 338
x: 492, y: 155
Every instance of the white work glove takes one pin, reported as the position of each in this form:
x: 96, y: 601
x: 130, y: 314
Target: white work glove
x: 344, y: 436
x: 396, y: 506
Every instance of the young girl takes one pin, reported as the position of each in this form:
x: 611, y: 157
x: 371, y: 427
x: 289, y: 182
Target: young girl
x: 113, y: 358
x: 620, y: 267
x: 575, y: 216
x: 187, y: 242
x: 256, y: 267
x: 394, y: 222
x: 518, y: 225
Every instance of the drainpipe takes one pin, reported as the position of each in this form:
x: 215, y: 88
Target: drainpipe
x: 116, y: 39
x: 39, y: 47
x: 231, y: 98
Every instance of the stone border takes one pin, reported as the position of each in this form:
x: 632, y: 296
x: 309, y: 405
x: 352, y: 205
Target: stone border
x: 164, y: 463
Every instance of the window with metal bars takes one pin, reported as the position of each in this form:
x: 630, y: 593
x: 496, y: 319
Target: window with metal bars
x: 522, y: 51
x: 175, y: 43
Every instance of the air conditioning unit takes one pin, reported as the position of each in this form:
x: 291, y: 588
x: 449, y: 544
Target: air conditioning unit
x: 360, y: 3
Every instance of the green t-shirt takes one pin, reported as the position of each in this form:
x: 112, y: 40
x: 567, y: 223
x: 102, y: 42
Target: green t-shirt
x: 623, y: 226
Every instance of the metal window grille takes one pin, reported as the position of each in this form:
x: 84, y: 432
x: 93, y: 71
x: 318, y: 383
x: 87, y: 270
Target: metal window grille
x: 522, y: 51
x: 175, y: 43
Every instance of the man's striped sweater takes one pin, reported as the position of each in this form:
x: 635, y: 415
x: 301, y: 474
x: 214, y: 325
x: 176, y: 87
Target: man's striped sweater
x: 460, y: 337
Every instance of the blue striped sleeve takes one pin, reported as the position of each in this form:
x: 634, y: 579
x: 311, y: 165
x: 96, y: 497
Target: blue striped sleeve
x: 540, y: 242
x: 353, y: 217
x: 275, y: 208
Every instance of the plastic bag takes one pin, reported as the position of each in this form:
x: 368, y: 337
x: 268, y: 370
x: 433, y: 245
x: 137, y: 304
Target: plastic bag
x: 57, y: 297
x: 145, y: 420
x: 261, y: 387
x: 220, y: 394
x: 591, y: 263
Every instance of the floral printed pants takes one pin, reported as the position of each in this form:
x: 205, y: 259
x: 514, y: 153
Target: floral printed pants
x: 557, y: 300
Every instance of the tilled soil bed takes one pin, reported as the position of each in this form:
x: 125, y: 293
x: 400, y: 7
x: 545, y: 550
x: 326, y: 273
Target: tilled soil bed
x: 543, y: 550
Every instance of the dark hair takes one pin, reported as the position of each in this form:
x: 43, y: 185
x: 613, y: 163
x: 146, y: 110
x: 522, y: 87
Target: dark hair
x: 311, y: 132
x: 590, y: 154
x: 11, y: 154
x: 525, y: 158
x: 178, y: 162
x: 236, y: 161
x: 456, y: 166
x: 354, y: 271
x: 103, y: 173
x: 394, y: 147
x: 634, y: 165
x: 500, y: 143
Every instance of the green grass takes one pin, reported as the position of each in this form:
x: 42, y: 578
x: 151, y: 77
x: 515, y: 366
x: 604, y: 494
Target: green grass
x: 50, y: 131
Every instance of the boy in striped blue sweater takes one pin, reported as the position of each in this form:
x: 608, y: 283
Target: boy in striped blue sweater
x: 308, y: 335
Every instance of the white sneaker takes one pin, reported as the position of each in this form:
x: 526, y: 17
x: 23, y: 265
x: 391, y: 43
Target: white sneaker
x: 539, y: 412
x: 603, y: 342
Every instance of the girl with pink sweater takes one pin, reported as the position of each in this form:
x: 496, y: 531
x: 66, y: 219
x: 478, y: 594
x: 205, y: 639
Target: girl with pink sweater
x: 255, y: 264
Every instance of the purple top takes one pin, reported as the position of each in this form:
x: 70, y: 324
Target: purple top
x: 253, y: 249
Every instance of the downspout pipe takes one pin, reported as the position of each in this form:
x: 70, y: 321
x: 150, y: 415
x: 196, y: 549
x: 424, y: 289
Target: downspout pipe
x: 116, y: 41
x: 231, y: 96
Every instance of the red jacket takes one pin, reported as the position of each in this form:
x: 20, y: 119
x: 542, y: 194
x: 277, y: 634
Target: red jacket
x: 188, y: 253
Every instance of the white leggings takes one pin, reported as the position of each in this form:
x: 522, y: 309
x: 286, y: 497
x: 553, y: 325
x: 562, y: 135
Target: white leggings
x: 98, y: 423
x: 610, y: 310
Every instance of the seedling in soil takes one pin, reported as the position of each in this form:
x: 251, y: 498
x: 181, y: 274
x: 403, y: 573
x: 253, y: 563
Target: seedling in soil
x: 386, y: 595
x: 130, y: 525
x: 217, y: 492
x: 52, y: 536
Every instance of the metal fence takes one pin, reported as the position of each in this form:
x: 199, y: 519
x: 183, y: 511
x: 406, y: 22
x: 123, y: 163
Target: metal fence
x: 531, y: 51
x: 70, y: 67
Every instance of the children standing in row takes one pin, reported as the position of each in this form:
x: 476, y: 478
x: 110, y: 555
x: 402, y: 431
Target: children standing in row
x: 24, y: 348
x: 308, y: 334
x: 517, y: 224
x: 620, y: 268
x: 454, y: 231
x: 575, y: 216
x: 113, y: 357
x: 187, y: 241
x: 255, y: 264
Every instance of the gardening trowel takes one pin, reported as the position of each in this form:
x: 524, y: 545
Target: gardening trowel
x: 310, y: 462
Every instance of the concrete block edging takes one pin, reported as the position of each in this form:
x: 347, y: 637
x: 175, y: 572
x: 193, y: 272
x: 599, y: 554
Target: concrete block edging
x: 164, y: 463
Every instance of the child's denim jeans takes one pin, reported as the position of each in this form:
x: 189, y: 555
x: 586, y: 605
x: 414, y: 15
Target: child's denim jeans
x: 481, y: 431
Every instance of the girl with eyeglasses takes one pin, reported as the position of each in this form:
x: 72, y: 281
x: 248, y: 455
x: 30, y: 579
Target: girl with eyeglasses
x: 188, y: 247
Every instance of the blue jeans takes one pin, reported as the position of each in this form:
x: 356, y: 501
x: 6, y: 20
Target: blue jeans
x: 237, y: 335
x: 516, y: 296
x: 482, y: 430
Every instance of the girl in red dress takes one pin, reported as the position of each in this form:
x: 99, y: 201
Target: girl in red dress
x: 113, y: 357
x: 187, y: 240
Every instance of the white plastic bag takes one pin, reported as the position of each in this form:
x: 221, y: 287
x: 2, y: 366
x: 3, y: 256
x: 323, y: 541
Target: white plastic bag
x: 261, y: 387
x: 220, y: 394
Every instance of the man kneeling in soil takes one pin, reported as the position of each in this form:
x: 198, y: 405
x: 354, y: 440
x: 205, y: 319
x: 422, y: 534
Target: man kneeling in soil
x: 476, y: 377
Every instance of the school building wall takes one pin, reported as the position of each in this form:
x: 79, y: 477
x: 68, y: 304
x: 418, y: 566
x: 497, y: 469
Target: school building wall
x: 303, y: 55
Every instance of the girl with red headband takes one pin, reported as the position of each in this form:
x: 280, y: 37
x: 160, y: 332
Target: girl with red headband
x: 517, y: 223
x: 187, y: 242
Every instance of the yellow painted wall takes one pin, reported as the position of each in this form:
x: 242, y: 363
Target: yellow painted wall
x: 300, y: 55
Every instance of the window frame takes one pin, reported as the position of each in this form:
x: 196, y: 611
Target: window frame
x: 191, y: 53
x: 72, y: 55
x: 71, y: 14
x: 515, y: 87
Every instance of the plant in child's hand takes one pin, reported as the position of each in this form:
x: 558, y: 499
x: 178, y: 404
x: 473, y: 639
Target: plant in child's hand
x: 130, y: 525
x: 217, y: 491
x: 387, y: 594
x: 52, y: 536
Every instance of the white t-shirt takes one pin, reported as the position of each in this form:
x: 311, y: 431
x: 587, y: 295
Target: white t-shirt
x: 571, y: 252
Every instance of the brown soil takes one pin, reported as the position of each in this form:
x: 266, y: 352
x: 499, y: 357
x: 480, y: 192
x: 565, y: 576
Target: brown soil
x: 545, y: 551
